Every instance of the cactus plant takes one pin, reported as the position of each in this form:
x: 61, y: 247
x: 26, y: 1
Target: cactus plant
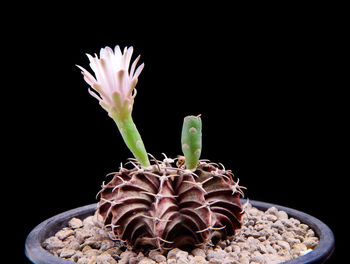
x: 167, y: 206
x: 163, y: 204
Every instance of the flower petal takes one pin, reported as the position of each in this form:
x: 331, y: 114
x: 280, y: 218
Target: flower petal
x: 128, y: 57
x: 102, y: 93
x: 121, y: 83
x: 109, y: 66
x: 92, y: 62
x: 133, y: 66
x: 94, y: 94
x: 105, y: 52
x: 138, y: 71
x: 117, y: 52
x: 87, y: 76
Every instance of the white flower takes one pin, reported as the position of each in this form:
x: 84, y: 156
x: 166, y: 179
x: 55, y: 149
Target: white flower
x: 113, y: 84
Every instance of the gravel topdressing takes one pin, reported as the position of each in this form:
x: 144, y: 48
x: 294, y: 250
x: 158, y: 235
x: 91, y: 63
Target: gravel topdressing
x: 265, y: 237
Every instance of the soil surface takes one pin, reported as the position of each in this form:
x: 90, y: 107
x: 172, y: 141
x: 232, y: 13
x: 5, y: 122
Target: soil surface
x: 265, y: 237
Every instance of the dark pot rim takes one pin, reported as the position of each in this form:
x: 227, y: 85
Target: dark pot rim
x: 37, y: 254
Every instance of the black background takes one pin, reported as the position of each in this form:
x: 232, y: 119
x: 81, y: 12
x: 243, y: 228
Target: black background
x: 266, y: 85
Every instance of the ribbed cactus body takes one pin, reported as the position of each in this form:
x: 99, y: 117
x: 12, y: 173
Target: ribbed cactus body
x: 166, y: 206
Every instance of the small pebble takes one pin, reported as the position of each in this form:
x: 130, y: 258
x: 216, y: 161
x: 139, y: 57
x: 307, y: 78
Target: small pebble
x: 88, y: 221
x: 82, y: 234
x: 299, y: 249
x: 84, y: 260
x: 285, y: 245
x: 272, y: 211
x: 282, y: 215
x: 198, y: 260
x: 146, y: 260
x: 156, y: 256
x: 67, y: 253
x: 311, y: 242
x: 271, y: 218
x: 177, y: 254
x: 93, y: 243
x: 105, y: 259
x: 53, y: 243
x: 75, y: 223
x: 198, y: 252
x: 64, y: 233
x: 262, y: 249
x: 171, y: 261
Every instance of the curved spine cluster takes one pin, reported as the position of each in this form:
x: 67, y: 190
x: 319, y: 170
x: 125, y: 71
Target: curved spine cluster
x: 168, y: 206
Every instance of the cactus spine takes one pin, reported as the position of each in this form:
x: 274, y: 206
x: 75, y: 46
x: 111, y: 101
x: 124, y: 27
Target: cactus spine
x: 191, y: 140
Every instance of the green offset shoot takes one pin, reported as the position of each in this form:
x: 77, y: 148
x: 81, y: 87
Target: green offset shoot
x: 191, y: 140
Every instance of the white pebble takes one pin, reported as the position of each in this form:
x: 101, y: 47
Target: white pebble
x: 198, y: 260
x: 285, y: 245
x: 105, y: 259
x: 67, y: 253
x: 53, y: 243
x: 282, y: 215
x: 272, y: 211
x: 146, y: 260
x: 198, y: 252
x: 75, y: 223
x: 310, y: 242
x: 64, y: 233
x: 298, y: 249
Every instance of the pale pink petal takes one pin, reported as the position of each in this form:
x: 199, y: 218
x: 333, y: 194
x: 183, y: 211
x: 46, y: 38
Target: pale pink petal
x: 106, y: 79
x: 103, y: 52
x: 101, y: 92
x: 81, y: 68
x: 107, y: 53
x: 104, y: 105
x: 108, y: 65
x: 121, y: 81
x: 138, y: 71
x: 123, y: 60
x: 89, y: 82
x: 117, y: 52
x: 99, y: 73
x: 92, y: 62
x: 128, y: 57
x: 97, y: 65
x: 87, y: 76
x: 133, y: 66
x: 114, y: 62
x: 125, y: 49
x: 94, y: 94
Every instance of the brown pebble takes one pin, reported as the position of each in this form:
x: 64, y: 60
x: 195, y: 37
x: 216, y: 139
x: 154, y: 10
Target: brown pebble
x: 310, y: 242
x: 75, y: 223
x: 64, y: 233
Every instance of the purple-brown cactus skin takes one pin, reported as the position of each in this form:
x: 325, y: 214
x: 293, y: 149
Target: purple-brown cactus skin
x: 166, y: 206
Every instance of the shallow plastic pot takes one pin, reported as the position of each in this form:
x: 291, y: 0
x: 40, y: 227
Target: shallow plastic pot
x: 49, y: 227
